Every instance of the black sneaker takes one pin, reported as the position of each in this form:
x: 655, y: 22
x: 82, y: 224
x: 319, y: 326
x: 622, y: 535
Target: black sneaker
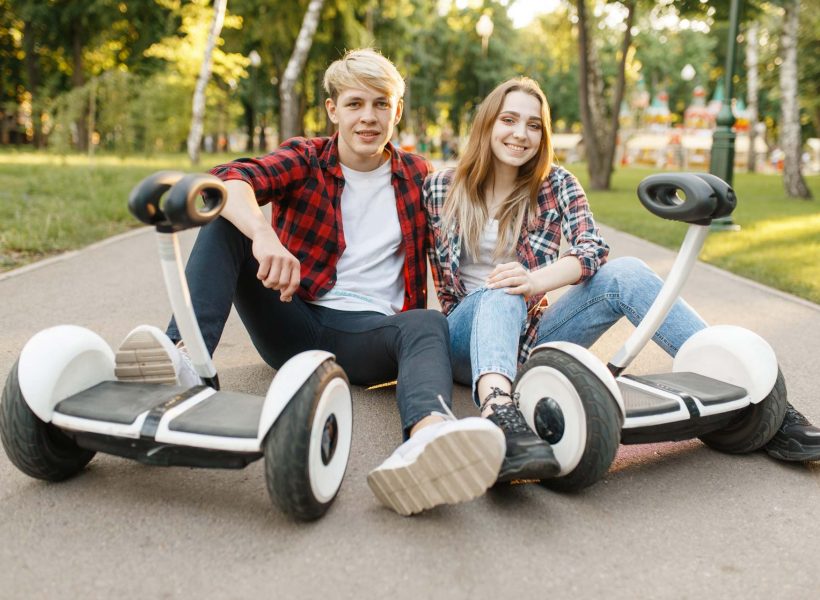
x: 528, y: 456
x: 797, y: 439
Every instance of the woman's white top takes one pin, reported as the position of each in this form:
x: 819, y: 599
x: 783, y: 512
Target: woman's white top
x: 369, y: 274
x: 474, y: 273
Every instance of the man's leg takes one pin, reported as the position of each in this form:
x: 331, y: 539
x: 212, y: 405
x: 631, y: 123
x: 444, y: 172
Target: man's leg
x: 485, y: 330
x: 444, y: 460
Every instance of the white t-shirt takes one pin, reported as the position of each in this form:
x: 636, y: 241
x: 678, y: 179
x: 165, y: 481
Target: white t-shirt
x: 370, y: 271
x: 474, y: 273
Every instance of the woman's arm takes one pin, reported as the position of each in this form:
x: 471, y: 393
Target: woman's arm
x: 518, y: 280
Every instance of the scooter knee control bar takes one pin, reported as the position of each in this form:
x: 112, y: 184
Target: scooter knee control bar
x: 705, y: 197
x: 194, y: 200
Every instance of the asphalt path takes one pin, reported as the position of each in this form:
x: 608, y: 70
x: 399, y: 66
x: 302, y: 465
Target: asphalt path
x: 672, y: 520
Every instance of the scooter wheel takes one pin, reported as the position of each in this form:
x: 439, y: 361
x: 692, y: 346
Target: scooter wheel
x: 754, y: 426
x: 37, y: 448
x: 572, y: 409
x: 308, y: 446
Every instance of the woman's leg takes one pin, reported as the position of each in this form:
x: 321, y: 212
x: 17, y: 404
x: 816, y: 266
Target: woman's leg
x: 485, y: 329
x: 624, y: 287
x: 484, y: 333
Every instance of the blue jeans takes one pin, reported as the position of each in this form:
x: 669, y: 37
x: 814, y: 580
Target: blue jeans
x: 486, y: 325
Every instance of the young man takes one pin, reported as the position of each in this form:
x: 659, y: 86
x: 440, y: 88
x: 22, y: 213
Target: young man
x: 343, y: 269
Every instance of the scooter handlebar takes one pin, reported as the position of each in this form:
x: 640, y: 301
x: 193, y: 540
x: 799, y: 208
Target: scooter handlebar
x: 705, y: 197
x: 194, y: 200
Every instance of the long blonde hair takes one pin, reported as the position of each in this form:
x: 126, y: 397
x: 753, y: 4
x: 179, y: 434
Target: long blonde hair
x: 466, y: 203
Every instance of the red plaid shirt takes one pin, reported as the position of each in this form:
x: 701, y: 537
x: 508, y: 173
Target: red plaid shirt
x: 303, y: 180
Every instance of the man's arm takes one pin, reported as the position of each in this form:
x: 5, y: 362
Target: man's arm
x: 278, y: 268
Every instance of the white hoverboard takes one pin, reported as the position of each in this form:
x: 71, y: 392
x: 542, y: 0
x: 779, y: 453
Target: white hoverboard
x: 725, y: 386
x: 62, y: 402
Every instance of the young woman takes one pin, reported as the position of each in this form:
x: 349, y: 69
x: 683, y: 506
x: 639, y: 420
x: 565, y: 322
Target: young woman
x: 496, y: 222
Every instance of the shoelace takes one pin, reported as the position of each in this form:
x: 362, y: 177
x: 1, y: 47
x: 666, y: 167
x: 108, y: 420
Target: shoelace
x: 794, y: 417
x: 510, y: 419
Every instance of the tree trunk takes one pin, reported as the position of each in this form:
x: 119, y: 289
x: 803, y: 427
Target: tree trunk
x: 790, y: 138
x: 289, y: 106
x: 198, y: 113
x: 77, y: 81
x: 600, y: 132
x: 752, y: 88
x: 32, y: 64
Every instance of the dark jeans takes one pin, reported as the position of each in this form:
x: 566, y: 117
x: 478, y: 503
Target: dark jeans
x: 412, y: 347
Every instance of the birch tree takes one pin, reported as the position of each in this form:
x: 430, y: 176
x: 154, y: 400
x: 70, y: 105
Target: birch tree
x: 198, y: 112
x: 790, y: 138
x: 752, y: 88
x: 289, y: 124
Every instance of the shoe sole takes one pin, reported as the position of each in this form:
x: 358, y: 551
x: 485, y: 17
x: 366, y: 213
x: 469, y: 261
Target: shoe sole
x: 529, y: 468
x: 453, y: 468
x: 792, y: 450
x: 141, y: 358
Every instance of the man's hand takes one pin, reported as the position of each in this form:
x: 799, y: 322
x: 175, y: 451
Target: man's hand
x: 278, y: 268
x: 514, y: 277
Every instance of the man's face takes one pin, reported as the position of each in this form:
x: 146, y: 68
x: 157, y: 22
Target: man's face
x: 365, y: 118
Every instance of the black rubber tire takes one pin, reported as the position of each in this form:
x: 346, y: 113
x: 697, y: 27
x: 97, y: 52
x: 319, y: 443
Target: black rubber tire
x: 37, y: 448
x: 755, y: 426
x: 287, y: 468
x: 603, y: 419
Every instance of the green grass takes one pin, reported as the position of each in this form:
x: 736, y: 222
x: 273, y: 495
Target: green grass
x: 50, y: 204
x: 778, y: 244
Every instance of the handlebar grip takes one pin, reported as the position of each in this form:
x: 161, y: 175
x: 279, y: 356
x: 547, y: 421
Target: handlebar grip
x: 143, y: 202
x: 659, y: 194
x: 726, y: 198
x: 182, y: 206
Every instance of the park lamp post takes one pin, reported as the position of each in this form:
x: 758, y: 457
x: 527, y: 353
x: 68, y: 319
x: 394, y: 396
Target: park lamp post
x: 256, y: 60
x: 722, y: 161
x: 484, y: 28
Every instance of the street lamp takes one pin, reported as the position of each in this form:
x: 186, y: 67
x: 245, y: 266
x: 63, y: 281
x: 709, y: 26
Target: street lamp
x: 484, y: 28
x: 256, y: 60
x: 722, y: 162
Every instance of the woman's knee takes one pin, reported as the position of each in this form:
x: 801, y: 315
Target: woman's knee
x: 626, y: 271
x: 500, y: 302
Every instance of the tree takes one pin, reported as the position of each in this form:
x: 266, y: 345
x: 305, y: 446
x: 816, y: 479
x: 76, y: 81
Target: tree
x: 198, y: 106
x: 790, y: 136
x: 752, y: 90
x: 289, y: 125
x: 600, y: 128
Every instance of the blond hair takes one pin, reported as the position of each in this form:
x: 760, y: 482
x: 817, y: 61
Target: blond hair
x: 366, y: 67
x: 466, y: 204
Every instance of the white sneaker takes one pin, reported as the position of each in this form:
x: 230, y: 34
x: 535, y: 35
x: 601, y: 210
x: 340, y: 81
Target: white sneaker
x: 147, y: 355
x: 444, y: 463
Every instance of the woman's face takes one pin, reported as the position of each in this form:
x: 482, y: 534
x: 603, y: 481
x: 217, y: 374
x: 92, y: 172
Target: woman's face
x: 516, y: 133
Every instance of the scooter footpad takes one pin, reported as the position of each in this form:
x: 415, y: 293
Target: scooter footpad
x: 224, y: 414
x: 117, y: 402
x: 709, y: 391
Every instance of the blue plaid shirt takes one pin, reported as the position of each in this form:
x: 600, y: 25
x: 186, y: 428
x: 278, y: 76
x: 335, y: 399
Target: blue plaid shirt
x: 562, y: 208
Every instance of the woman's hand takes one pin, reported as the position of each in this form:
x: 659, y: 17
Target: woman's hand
x: 514, y: 277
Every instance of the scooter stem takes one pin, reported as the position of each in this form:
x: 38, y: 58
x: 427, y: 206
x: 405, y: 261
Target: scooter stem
x: 174, y: 273
x: 690, y: 249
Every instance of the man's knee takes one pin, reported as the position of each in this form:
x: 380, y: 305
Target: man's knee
x: 425, y: 322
